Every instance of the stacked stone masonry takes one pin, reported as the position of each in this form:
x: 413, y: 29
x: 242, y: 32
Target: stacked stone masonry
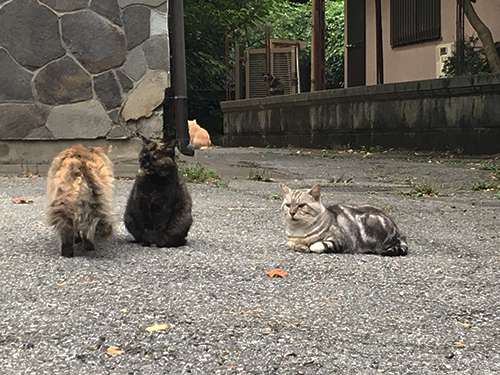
x: 82, y: 69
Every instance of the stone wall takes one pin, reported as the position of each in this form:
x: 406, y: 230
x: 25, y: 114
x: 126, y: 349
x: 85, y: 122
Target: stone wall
x: 441, y: 114
x: 81, y: 69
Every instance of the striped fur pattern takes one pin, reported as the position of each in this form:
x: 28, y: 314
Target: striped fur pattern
x: 312, y: 227
x: 80, y: 189
x: 158, y: 212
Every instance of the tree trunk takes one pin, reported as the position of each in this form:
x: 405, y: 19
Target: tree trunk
x: 484, y: 35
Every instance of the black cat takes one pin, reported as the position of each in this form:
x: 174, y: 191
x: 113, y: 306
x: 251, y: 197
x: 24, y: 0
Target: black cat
x: 158, y: 211
x: 276, y: 87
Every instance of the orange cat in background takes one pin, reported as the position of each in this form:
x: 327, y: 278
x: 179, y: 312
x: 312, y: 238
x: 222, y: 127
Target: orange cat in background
x: 198, y: 136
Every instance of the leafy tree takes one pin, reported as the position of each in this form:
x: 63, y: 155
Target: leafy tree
x: 474, y: 61
x: 292, y: 20
x: 334, y: 35
x: 484, y: 34
x: 209, y: 24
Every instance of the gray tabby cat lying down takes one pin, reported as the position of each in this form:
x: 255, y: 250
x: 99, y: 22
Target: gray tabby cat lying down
x: 312, y: 227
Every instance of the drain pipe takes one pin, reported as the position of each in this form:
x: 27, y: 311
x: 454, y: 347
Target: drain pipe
x: 178, y: 69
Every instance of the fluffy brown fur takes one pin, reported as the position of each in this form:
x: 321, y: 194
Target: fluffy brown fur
x: 198, y: 136
x: 79, y: 188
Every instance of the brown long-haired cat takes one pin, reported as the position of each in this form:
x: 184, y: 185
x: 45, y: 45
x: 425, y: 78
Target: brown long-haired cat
x: 79, y: 188
x: 198, y: 136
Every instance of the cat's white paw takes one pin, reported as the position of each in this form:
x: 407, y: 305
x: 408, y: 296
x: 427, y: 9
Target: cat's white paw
x: 322, y: 247
x: 318, y: 247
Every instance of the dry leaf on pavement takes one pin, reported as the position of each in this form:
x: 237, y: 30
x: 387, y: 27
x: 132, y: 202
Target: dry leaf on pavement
x: 114, y: 350
x: 276, y: 273
x: 460, y: 343
x: 22, y: 201
x: 157, y: 327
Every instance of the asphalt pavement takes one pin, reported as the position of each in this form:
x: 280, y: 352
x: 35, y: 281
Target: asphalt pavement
x: 210, y: 308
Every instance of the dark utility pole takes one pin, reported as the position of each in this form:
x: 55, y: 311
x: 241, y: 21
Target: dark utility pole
x: 379, y: 42
x: 460, y: 39
x: 268, y: 48
x: 318, y: 46
x: 178, y: 76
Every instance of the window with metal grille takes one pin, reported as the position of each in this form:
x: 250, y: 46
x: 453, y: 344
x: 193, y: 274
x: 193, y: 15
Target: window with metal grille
x: 415, y: 21
x: 284, y: 61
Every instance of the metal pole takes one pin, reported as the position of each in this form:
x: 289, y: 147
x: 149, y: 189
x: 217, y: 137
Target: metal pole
x: 179, y: 76
x: 379, y: 42
x: 314, y: 46
x: 269, y: 68
x: 460, y: 40
x: 318, y: 46
x: 237, y: 72
x: 228, y: 70
x: 321, y: 85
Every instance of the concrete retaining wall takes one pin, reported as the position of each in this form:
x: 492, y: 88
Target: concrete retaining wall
x: 441, y: 114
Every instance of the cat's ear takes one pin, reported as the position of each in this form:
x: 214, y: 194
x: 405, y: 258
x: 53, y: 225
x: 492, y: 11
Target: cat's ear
x: 106, y: 148
x: 145, y: 140
x: 148, y: 144
x: 315, y: 192
x: 101, y: 149
x: 285, y: 189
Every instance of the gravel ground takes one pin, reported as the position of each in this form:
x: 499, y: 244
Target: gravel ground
x: 435, y: 311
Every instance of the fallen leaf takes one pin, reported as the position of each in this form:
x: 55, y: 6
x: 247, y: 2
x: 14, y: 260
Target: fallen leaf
x: 31, y: 175
x: 460, y: 343
x: 157, y: 327
x: 290, y: 353
x: 114, y: 350
x: 276, y: 273
x: 22, y: 201
x: 123, y: 310
x: 466, y: 325
x: 230, y: 208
